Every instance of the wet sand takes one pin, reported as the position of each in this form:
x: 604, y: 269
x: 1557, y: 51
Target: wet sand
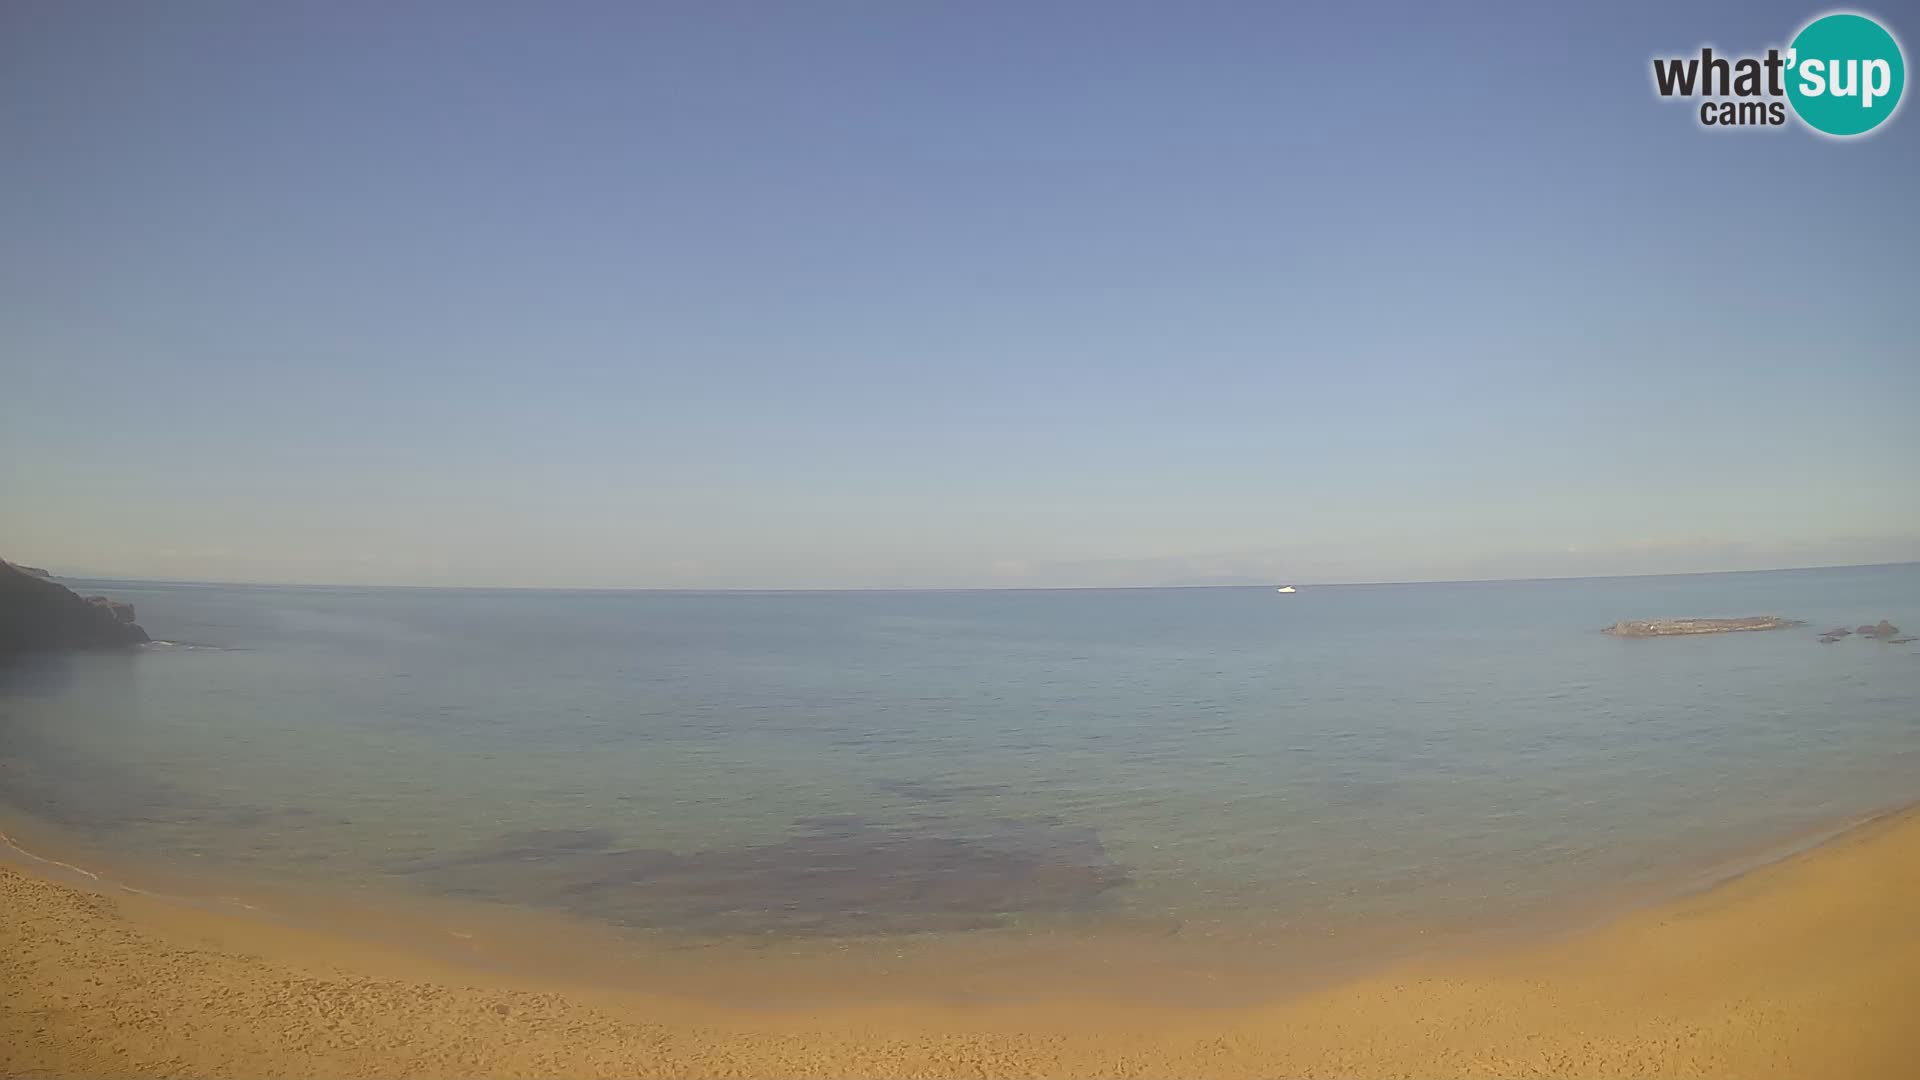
x: 1808, y: 967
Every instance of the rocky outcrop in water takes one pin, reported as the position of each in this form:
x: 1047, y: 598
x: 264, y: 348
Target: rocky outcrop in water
x: 1677, y: 627
x: 1883, y: 631
x: 41, y: 615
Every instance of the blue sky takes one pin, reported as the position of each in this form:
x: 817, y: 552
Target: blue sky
x: 759, y: 295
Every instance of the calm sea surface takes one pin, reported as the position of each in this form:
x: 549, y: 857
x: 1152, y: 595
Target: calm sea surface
x: 852, y: 765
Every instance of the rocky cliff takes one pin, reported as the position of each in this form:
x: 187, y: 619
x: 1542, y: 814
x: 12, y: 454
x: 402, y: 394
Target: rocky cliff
x: 37, y: 614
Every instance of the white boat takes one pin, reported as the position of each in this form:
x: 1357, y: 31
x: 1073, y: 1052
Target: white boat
x: 1285, y: 588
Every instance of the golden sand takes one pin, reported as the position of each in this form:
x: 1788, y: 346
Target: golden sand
x: 1807, y: 968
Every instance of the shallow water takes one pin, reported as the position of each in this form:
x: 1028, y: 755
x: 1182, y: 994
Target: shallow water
x: 837, y: 765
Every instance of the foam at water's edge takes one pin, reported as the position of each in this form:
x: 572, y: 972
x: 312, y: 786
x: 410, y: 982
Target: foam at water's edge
x: 1727, y: 872
x: 14, y: 846
x: 9, y: 841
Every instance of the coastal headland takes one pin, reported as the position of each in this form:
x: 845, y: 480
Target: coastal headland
x: 38, y: 614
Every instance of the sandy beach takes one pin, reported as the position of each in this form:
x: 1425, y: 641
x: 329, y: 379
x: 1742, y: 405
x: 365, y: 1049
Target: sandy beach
x: 1808, y: 967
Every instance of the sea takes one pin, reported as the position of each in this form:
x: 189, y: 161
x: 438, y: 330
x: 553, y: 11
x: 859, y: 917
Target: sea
x: 1210, y: 780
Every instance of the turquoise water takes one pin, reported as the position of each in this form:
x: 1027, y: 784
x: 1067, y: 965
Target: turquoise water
x: 853, y: 764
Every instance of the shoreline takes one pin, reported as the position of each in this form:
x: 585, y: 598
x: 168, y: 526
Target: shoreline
x: 1127, y: 959
x: 1800, y: 965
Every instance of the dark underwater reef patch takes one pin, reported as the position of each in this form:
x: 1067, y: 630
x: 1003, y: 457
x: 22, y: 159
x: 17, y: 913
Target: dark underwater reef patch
x: 833, y: 876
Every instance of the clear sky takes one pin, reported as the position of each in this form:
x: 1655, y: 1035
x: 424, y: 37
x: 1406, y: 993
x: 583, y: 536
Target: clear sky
x: 834, y: 294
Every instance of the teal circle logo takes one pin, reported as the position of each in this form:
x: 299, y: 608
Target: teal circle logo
x: 1845, y: 74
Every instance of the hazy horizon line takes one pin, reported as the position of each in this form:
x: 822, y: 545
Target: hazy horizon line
x: 962, y: 588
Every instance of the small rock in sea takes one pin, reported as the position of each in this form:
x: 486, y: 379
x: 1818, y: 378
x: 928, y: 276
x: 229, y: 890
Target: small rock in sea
x: 1900, y: 640
x: 1837, y: 632
x: 1828, y: 639
x: 1884, y: 630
